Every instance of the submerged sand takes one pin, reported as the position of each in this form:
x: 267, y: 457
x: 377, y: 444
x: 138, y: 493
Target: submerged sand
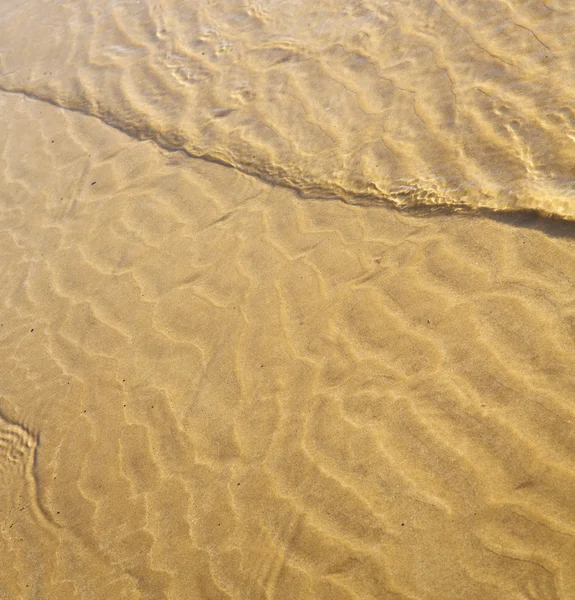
x: 213, y: 387
x: 450, y: 103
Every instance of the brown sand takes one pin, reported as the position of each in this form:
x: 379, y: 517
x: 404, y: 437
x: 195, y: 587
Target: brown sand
x: 433, y: 102
x: 211, y: 388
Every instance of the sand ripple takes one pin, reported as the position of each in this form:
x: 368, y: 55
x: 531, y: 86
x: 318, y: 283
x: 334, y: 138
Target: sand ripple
x: 427, y: 103
x: 243, y: 394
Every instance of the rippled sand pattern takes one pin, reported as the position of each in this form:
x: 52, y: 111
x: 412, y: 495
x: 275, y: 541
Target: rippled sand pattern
x: 224, y: 384
x: 213, y: 389
x: 418, y: 102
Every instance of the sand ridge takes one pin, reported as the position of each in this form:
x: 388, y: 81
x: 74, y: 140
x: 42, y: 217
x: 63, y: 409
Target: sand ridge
x: 420, y: 103
x: 240, y: 393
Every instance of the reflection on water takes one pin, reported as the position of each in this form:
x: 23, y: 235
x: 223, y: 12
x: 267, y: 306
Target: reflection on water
x: 212, y: 386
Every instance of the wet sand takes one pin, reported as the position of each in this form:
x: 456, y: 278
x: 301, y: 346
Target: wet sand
x: 411, y: 103
x: 212, y: 387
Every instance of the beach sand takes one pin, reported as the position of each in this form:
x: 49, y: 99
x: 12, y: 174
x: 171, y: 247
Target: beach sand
x: 212, y: 387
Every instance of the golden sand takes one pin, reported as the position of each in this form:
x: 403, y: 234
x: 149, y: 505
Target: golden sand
x: 410, y: 102
x: 214, y: 388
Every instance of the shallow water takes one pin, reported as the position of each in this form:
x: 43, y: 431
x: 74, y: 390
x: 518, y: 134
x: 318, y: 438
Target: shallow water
x: 226, y: 382
x: 433, y: 102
